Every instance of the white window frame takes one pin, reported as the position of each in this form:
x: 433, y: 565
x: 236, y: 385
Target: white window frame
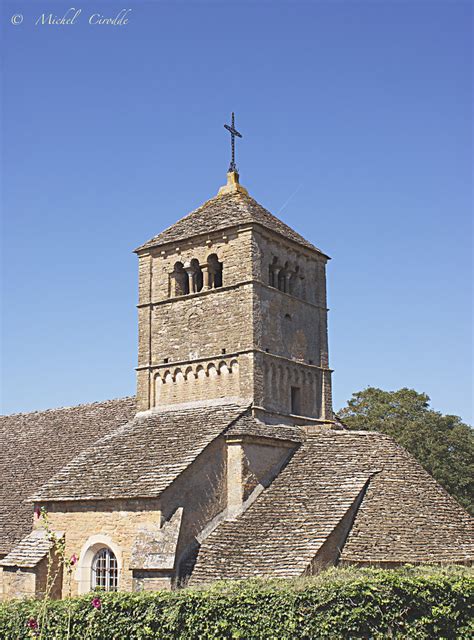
x: 107, y: 579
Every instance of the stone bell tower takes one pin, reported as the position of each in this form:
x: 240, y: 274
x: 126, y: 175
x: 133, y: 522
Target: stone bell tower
x: 232, y: 303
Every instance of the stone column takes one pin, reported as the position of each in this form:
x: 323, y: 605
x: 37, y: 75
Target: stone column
x: 191, y: 281
x: 206, y: 276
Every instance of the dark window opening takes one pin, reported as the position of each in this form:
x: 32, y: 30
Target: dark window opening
x: 222, y: 350
x: 196, y: 276
x: 295, y: 400
x: 180, y: 277
x: 214, y: 269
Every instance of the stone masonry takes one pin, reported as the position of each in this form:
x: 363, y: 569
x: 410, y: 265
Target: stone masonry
x: 261, y: 334
x: 228, y: 463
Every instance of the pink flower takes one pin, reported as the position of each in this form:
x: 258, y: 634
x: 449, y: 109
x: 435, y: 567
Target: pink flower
x: 96, y: 603
x: 32, y: 624
x: 73, y: 560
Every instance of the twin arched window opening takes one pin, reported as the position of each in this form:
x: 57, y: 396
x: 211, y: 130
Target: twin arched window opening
x: 104, y: 574
x: 285, y: 277
x: 192, y: 277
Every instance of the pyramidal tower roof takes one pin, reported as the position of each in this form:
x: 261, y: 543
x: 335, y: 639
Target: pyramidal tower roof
x: 231, y: 207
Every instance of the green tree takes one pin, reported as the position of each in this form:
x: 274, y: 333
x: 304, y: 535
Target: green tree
x: 443, y: 444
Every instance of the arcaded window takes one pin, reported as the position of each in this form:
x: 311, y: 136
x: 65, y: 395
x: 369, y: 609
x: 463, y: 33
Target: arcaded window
x: 214, y: 271
x: 104, y: 570
x: 195, y: 273
x: 181, y: 280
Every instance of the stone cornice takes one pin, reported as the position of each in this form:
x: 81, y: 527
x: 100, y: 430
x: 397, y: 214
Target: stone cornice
x: 227, y: 356
x: 190, y: 296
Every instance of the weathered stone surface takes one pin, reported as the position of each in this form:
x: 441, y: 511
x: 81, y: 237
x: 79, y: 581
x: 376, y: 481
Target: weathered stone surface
x: 234, y: 466
x: 29, y: 551
x: 404, y: 515
x: 156, y: 548
x: 142, y: 458
x: 34, y: 446
x: 224, y: 212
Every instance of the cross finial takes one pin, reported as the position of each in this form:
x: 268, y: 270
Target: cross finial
x: 233, y: 133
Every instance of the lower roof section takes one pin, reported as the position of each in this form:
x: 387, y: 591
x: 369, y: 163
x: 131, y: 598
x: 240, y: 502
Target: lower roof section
x: 143, y: 457
x: 35, y: 445
x: 398, y: 513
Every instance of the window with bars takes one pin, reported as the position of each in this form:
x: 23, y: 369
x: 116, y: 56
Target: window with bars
x: 104, y: 570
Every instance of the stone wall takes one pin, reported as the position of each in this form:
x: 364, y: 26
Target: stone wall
x: 274, y: 380
x: 205, y: 324
x: 273, y: 300
x: 286, y: 326
x: 261, y: 463
x: 18, y: 583
x: 204, y: 379
x: 201, y: 491
x: 113, y: 523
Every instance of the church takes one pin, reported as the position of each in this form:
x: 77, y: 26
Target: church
x: 229, y: 462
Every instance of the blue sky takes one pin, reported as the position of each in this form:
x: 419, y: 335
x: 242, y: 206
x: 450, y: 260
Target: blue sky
x: 360, y: 113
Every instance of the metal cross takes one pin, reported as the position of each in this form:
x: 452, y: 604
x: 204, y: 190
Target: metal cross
x: 233, y: 133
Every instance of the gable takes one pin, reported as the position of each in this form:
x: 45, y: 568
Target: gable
x: 143, y: 457
x: 36, y: 445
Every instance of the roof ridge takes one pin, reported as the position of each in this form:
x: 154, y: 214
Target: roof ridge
x: 65, y: 408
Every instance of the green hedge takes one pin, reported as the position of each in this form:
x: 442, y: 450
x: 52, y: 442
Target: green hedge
x: 341, y: 603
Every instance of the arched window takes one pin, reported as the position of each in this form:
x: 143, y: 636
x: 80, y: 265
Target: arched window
x: 214, y: 268
x: 104, y: 570
x: 181, y: 281
x: 273, y: 270
x: 196, y: 277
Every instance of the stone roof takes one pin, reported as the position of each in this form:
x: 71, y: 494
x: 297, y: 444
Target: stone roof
x: 247, y: 425
x: 35, y: 445
x: 144, y: 456
x: 223, y: 212
x: 29, y: 551
x: 405, y: 516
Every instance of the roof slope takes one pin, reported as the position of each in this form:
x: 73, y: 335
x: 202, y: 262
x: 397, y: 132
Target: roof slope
x: 143, y: 457
x: 405, y: 515
x: 33, y: 548
x: 248, y: 425
x: 222, y: 212
x: 35, y: 445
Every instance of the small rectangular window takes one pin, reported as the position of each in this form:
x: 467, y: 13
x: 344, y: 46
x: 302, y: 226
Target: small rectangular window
x: 295, y: 400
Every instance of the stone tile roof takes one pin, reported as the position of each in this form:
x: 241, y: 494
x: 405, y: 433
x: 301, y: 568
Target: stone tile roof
x: 35, y: 445
x: 222, y: 212
x: 29, y: 551
x: 143, y: 457
x: 405, y: 516
x: 247, y: 425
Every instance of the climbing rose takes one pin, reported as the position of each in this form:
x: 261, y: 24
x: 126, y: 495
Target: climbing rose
x: 96, y: 603
x: 32, y: 624
x: 73, y: 559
